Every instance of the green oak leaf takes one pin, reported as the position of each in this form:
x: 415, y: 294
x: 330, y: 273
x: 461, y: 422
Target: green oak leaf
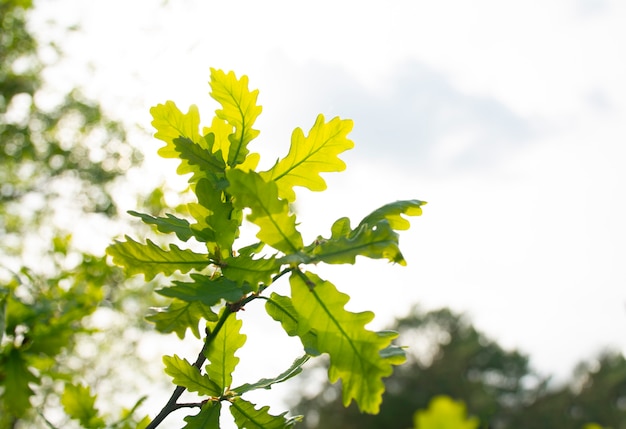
x: 218, y: 222
x: 149, y: 259
x: 17, y: 380
x: 345, y: 244
x: 254, y: 272
x: 267, y: 383
x: 221, y: 352
x: 79, y: 404
x: 167, y: 225
x: 170, y: 124
x: 188, y: 376
x: 392, y: 213
x: 354, y: 351
x: 281, y: 309
x: 271, y: 214
x: 200, y: 161
x: 207, y: 418
x: 239, y: 110
x: 206, y: 290
x: 311, y: 155
x: 248, y: 417
x: 179, y: 316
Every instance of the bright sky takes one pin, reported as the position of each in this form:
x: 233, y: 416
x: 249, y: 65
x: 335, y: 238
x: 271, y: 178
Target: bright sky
x: 509, y: 118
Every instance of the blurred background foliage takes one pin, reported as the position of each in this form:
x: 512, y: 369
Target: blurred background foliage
x: 60, y: 305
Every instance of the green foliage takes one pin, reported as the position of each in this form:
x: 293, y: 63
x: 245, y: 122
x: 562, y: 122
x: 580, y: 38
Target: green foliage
x: 228, y: 191
x: 444, y: 413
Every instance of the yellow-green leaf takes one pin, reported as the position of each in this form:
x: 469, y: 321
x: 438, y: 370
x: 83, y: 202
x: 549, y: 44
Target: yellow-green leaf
x: 271, y: 214
x: 150, y: 260
x: 239, y: 109
x: 221, y: 352
x: 248, y: 417
x: 188, y: 376
x: 355, y: 352
x: 444, y: 413
x: 79, y: 404
x: 181, y: 315
x: 311, y: 155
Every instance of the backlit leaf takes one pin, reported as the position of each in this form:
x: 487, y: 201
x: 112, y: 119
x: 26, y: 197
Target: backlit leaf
x: 205, y: 290
x: 168, y: 224
x: 267, y: 383
x: 150, y: 260
x: 251, y: 271
x: 373, y: 241
x: 392, y: 213
x: 179, y: 316
x: 188, y: 376
x: 354, y: 351
x: 207, y: 418
x: 221, y: 352
x: 248, y: 417
x: 281, y: 309
x: 239, y: 109
x: 311, y: 155
x: 271, y: 214
x: 170, y: 124
x: 200, y: 161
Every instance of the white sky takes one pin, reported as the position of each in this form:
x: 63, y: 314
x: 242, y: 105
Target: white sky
x: 509, y: 118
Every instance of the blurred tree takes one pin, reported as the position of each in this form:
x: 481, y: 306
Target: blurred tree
x: 57, y: 163
x: 448, y: 356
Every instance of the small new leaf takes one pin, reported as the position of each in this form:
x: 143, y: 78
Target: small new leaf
x: 221, y: 352
x: 354, y: 351
x: 311, y: 155
x: 239, y: 110
x: 150, y: 260
x: 271, y: 214
x: 248, y: 417
x: 188, y: 376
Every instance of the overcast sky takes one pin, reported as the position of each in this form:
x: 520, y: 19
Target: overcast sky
x: 508, y: 117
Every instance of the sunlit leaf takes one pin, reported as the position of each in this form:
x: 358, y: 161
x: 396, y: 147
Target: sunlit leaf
x: 221, y: 352
x: 271, y: 214
x: 179, y: 316
x: 281, y: 309
x: 239, y: 109
x: 393, y: 212
x: 444, y: 413
x: 168, y: 224
x: 188, y: 376
x: 150, y: 260
x: 207, y: 418
x: 251, y: 271
x: 200, y: 161
x: 354, y: 351
x: 267, y: 383
x: 311, y: 155
x: 248, y: 417
x: 344, y: 245
x: 79, y: 404
x: 205, y: 290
